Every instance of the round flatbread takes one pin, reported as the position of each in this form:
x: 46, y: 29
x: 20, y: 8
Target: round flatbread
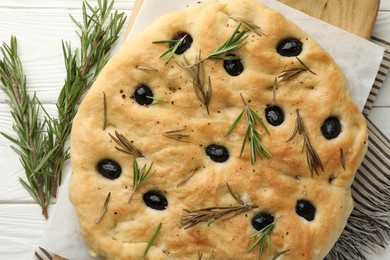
x: 240, y: 142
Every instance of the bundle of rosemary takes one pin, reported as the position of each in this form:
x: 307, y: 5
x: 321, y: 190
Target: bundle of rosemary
x: 41, y: 144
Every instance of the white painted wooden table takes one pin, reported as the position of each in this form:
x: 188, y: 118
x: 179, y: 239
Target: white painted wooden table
x: 40, y: 25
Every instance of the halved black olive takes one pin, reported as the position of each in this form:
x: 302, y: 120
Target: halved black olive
x: 143, y: 95
x: 331, y: 127
x: 184, y: 45
x: 155, y: 200
x: 261, y: 220
x: 305, y: 209
x: 234, y: 66
x: 109, y: 169
x: 217, y: 153
x: 289, y: 47
x: 274, y: 115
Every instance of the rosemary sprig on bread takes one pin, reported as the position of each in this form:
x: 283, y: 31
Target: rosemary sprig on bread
x: 257, y: 148
x: 140, y: 175
x: 174, y: 44
x: 197, y: 75
x: 211, y: 214
x: 235, y: 42
x: 261, y: 238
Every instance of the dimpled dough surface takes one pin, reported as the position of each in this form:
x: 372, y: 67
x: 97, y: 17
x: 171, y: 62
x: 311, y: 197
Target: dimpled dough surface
x: 271, y: 186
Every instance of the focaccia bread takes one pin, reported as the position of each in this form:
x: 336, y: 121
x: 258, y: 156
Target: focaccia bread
x: 240, y: 142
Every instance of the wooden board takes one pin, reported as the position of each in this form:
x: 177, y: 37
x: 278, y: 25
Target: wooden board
x: 355, y: 16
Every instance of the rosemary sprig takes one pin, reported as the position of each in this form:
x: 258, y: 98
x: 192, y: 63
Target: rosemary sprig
x: 172, y: 49
x: 261, y: 238
x: 99, y: 31
x: 151, y: 241
x: 140, y: 176
x: 233, y: 43
x: 249, y: 25
x: 177, y: 135
x: 257, y: 147
x: 104, y: 208
x: 42, y: 143
x: 197, y: 75
x: 125, y: 145
x: 312, y: 157
x: 293, y: 73
x: 211, y: 214
x: 33, y: 151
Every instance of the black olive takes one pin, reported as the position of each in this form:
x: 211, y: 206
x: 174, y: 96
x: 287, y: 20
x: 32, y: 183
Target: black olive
x: 261, y: 220
x: 155, y: 200
x: 305, y: 209
x: 184, y: 45
x: 109, y: 169
x: 233, y: 67
x: 274, y: 115
x: 217, y: 153
x: 331, y: 127
x: 143, y: 95
x: 289, y: 47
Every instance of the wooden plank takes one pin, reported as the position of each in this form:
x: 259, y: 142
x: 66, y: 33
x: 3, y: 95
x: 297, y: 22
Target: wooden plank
x: 21, y: 227
x: 40, y: 33
x: 356, y: 16
x: 119, y: 4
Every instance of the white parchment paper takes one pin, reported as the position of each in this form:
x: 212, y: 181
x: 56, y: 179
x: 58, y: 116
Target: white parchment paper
x: 358, y: 58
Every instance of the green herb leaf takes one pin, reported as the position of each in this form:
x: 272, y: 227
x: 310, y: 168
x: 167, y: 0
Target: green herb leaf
x: 156, y: 101
x: 151, y: 241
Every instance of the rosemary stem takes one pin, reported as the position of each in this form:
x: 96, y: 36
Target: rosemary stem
x: 131, y: 197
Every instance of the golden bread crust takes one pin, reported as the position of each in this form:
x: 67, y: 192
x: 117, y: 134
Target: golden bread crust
x: 273, y: 185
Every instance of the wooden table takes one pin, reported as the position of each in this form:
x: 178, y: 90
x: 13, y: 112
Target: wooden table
x: 40, y: 25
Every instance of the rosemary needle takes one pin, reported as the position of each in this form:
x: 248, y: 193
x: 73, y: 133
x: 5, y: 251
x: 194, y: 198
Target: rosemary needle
x: 150, y: 243
x: 104, y: 208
